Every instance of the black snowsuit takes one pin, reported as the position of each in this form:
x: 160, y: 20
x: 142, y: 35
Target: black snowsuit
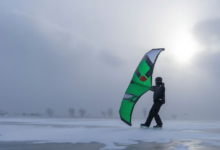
x: 159, y: 100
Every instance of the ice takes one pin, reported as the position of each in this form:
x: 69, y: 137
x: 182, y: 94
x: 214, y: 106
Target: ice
x: 181, y: 147
x: 111, y: 132
x: 211, y: 143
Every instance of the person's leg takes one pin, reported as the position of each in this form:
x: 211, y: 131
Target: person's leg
x: 156, y: 115
x: 150, y: 116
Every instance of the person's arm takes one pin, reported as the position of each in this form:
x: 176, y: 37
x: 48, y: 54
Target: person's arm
x: 152, y: 88
x: 164, y: 89
x: 163, y: 93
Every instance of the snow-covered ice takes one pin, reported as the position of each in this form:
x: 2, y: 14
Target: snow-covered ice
x: 111, y: 132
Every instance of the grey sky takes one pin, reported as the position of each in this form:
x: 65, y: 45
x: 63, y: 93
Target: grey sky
x: 82, y: 54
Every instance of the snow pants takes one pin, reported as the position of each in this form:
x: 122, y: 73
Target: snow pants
x: 154, y: 114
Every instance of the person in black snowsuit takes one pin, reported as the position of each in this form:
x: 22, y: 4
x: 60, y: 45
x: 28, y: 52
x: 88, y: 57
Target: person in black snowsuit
x: 159, y: 100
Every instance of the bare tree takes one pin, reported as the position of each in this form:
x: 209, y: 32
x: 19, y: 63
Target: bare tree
x: 2, y: 113
x: 109, y: 112
x: 82, y: 112
x: 49, y: 112
x: 71, y: 112
x: 144, y: 111
x: 103, y: 113
x: 34, y: 114
x: 174, y: 116
x: 23, y: 114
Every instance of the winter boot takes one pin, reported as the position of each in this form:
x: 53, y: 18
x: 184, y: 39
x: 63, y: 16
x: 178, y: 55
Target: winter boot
x: 144, y: 125
x: 157, y: 126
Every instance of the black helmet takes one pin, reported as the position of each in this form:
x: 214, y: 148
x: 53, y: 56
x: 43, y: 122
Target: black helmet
x: 158, y: 80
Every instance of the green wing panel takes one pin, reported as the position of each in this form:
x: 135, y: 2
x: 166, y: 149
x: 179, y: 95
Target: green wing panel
x: 140, y: 83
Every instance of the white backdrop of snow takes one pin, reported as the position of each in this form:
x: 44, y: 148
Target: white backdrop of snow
x: 103, y: 131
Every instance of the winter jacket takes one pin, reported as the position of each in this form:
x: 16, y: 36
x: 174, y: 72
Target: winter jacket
x: 159, y: 93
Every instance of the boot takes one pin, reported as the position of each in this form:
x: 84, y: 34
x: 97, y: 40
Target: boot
x: 157, y: 126
x: 144, y: 125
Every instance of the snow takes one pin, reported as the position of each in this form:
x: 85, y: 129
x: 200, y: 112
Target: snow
x: 181, y: 147
x: 106, y: 131
x: 211, y: 143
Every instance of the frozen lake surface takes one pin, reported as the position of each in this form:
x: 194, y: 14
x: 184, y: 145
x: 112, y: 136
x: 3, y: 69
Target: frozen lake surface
x: 66, y: 134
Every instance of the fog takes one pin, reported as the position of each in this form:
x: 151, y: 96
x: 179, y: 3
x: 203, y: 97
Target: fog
x: 82, y: 54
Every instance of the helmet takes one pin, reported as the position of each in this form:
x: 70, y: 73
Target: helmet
x: 158, y: 80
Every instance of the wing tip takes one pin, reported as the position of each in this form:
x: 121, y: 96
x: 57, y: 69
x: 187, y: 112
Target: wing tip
x: 163, y: 49
x: 128, y: 123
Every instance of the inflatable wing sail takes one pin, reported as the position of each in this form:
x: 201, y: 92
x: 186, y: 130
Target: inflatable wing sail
x: 140, y: 83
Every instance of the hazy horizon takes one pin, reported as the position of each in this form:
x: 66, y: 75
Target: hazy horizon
x: 82, y: 54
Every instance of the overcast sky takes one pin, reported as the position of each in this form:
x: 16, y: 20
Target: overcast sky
x: 82, y: 54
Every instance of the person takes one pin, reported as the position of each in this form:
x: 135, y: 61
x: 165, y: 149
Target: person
x: 159, y: 100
